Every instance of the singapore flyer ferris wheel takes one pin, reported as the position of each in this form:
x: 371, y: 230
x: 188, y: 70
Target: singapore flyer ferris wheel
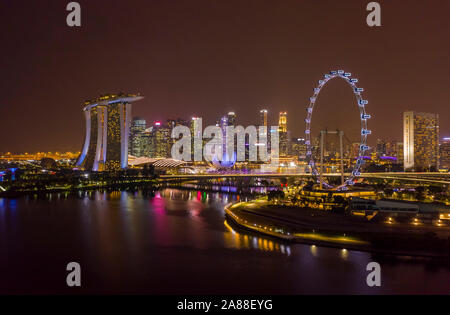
x: 361, y: 102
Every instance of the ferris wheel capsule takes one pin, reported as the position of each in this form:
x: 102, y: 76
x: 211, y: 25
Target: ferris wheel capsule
x: 333, y: 72
x: 347, y: 74
x: 340, y: 72
x: 365, y: 116
x: 364, y: 147
x: 354, y: 80
x: 362, y: 102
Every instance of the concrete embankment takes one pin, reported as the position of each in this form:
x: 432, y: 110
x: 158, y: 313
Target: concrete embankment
x: 340, y: 230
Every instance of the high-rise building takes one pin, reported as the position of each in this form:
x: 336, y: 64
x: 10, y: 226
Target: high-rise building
x: 107, y: 132
x: 263, y: 117
x: 171, y: 124
x: 399, y: 152
x: 196, y: 132
x: 263, y: 122
x: 231, y: 119
x: 444, y: 148
x: 420, y: 141
x: 298, y: 147
x: 159, y: 141
x: 381, y: 147
x: 138, y: 139
x: 283, y: 134
x: 224, y: 122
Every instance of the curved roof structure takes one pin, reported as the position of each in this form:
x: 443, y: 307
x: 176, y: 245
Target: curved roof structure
x: 159, y: 162
x: 109, y: 99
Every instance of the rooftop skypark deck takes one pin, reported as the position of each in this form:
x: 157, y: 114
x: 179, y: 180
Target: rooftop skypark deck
x: 109, y: 99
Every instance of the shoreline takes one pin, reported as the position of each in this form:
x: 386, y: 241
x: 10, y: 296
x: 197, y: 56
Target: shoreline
x: 296, y: 231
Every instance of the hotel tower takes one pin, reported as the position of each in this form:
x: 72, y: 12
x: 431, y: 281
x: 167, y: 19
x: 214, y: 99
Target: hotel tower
x: 420, y: 141
x: 107, y: 132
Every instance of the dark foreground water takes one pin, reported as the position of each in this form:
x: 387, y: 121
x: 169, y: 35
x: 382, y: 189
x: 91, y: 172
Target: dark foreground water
x: 177, y: 242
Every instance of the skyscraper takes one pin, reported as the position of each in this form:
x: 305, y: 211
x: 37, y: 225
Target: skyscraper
x: 399, y: 152
x: 171, y: 124
x: 381, y: 147
x: 196, y: 133
x: 160, y: 143
x: 107, y: 132
x: 263, y: 117
x: 283, y: 134
x: 231, y: 119
x: 138, y: 139
x: 298, y: 147
x: 263, y: 122
x: 420, y: 141
x: 445, y: 153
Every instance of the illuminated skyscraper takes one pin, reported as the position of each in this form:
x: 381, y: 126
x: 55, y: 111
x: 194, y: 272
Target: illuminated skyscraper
x: 298, y: 147
x: 420, y: 141
x: 107, y: 132
x: 171, y: 124
x: 381, y: 147
x: 399, y: 152
x: 196, y: 133
x: 231, y: 119
x: 445, y: 153
x: 138, y: 138
x: 263, y: 117
x: 282, y: 122
x: 160, y: 141
x: 283, y: 134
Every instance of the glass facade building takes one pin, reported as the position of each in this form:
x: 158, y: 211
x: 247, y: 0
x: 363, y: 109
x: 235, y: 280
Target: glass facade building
x: 420, y: 141
x: 283, y: 134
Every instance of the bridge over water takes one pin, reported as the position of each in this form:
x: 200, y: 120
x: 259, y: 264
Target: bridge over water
x: 436, y: 178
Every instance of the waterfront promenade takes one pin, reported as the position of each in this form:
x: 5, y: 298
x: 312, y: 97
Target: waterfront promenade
x: 335, y: 229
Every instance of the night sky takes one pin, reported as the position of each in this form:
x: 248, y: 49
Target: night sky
x: 206, y: 58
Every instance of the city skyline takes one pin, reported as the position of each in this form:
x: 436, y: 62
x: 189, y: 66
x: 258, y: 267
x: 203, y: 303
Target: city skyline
x: 187, y: 69
x: 227, y: 153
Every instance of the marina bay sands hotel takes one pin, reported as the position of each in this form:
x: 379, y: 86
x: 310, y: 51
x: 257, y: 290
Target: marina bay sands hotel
x: 107, y: 132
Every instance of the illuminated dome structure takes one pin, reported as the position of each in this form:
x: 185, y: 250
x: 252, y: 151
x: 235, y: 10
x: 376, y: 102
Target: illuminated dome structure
x: 226, y: 162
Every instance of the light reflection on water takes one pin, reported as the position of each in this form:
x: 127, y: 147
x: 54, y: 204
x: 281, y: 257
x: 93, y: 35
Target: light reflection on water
x: 177, y: 237
x: 240, y: 240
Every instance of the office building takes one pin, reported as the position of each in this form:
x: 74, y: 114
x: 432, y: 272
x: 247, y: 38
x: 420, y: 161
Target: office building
x: 420, y: 141
x: 444, y: 149
x: 138, y: 139
x: 283, y: 134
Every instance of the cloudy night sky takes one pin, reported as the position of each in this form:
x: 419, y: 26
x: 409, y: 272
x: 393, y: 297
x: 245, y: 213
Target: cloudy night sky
x: 205, y: 58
